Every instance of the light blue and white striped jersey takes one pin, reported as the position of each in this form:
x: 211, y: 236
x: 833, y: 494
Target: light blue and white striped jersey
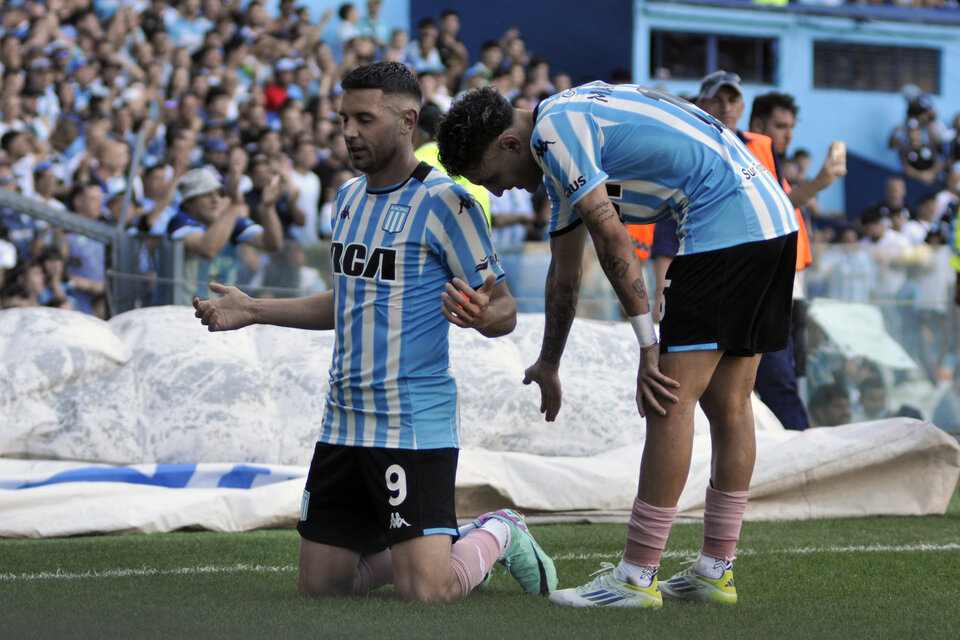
x: 659, y: 156
x: 393, y: 250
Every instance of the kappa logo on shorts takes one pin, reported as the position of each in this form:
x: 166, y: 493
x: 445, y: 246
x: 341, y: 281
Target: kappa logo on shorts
x: 397, y: 522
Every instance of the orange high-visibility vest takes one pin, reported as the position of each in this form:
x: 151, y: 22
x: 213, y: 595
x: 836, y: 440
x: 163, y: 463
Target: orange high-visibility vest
x: 762, y: 147
x: 642, y: 235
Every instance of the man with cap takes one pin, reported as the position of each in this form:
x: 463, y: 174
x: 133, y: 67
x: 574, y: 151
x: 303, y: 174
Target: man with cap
x: 211, y: 226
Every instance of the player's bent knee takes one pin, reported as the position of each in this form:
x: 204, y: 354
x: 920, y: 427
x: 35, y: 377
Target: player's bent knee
x: 317, y: 586
x: 426, y: 591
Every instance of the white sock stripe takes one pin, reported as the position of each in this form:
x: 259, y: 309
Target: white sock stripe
x: 246, y: 568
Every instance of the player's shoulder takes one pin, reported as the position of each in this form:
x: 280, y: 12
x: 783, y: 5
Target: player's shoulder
x: 442, y: 189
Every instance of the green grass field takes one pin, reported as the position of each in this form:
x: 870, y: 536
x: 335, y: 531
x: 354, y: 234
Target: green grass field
x: 852, y: 578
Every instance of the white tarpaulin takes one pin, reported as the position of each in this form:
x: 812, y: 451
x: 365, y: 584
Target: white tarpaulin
x: 858, y: 330
x: 168, y: 426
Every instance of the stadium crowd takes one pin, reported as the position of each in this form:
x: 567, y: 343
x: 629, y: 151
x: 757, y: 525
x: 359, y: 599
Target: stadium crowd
x: 237, y: 109
x: 249, y: 97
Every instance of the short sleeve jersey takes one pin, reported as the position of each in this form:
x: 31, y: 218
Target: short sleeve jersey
x: 658, y: 157
x: 392, y: 252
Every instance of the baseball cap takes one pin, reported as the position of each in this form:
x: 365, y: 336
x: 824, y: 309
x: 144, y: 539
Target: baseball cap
x: 285, y: 64
x: 197, y: 182
x: 720, y: 78
x: 216, y: 145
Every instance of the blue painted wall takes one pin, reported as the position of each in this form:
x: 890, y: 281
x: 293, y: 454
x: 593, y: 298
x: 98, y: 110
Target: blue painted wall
x: 863, y: 119
x: 584, y: 39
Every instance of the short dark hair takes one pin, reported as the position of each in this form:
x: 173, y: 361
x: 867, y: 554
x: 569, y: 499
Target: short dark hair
x: 869, y: 383
x: 473, y: 122
x: 390, y: 77
x: 763, y: 105
x: 827, y: 393
x: 7, y: 140
x: 873, y: 215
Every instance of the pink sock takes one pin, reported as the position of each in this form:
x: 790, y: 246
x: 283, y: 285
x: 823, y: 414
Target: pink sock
x: 647, y: 533
x: 374, y: 570
x: 722, y: 518
x: 472, y: 557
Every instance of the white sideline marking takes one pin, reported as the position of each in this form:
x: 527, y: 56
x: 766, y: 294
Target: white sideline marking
x: 138, y: 573
x: 247, y: 568
x: 873, y: 548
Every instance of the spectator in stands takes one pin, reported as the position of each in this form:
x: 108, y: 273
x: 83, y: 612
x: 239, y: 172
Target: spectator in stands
x: 307, y: 184
x: 872, y: 402
x: 921, y: 115
x: 159, y: 193
x: 20, y: 229
x: 86, y: 258
x: 511, y: 216
x: 16, y: 146
x: 887, y: 248
x: 918, y: 228
x: 948, y: 199
x: 211, y: 226
x: 846, y: 267
x: 920, y: 160
x: 422, y: 54
x: 373, y: 27
x: 348, y: 27
x: 491, y: 57
x: 453, y: 52
x: 829, y: 406
x: 893, y: 203
x: 54, y: 293
x: 263, y: 172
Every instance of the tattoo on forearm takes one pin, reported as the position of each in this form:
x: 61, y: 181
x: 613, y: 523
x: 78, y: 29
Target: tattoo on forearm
x: 603, y: 212
x: 612, y: 264
x: 639, y: 288
x: 561, y: 307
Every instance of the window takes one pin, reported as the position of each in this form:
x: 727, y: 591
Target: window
x: 868, y: 67
x: 694, y: 55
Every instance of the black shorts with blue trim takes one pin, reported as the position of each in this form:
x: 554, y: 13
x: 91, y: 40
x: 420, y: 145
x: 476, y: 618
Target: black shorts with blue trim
x: 737, y: 300
x: 368, y: 499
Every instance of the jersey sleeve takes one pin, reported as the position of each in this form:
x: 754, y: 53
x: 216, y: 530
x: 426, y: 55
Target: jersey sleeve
x: 460, y: 236
x: 245, y: 229
x: 567, y: 147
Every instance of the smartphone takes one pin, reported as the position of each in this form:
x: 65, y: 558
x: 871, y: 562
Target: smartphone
x: 838, y: 151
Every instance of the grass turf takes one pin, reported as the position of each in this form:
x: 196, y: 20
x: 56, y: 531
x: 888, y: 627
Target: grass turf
x: 845, y: 578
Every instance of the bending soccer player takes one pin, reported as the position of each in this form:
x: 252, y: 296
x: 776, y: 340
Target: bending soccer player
x: 612, y: 154
x: 411, y: 255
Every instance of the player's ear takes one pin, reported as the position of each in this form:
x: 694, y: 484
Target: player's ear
x: 408, y: 119
x: 509, y: 141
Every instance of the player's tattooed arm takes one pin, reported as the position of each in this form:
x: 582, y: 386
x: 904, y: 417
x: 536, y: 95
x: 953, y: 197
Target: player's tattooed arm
x: 615, y: 250
x: 562, y: 292
x: 561, y: 307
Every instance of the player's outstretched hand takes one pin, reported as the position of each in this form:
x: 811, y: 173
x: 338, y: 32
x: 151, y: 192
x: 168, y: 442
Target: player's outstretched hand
x: 653, y: 387
x: 232, y: 311
x: 464, y: 306
x: 547, y: 378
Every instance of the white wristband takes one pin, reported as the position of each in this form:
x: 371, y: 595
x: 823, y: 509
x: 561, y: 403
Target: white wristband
x: 643, y: 327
